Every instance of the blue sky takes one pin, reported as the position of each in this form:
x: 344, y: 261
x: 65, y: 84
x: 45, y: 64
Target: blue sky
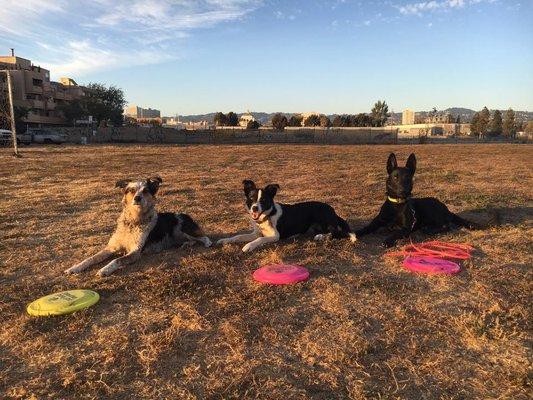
x: 331, y: 56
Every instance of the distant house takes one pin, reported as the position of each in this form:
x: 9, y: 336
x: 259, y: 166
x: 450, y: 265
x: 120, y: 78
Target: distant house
x: 408, y: 117
x: 137, y: 112
x: 245, y: 119
x: 306, y: 115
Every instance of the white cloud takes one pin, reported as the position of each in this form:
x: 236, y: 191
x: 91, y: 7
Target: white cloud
x: 83, y: 58
x: 80, y: 37
x: 436, y: 5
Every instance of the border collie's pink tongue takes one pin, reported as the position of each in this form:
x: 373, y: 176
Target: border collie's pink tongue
x: 255, y: 214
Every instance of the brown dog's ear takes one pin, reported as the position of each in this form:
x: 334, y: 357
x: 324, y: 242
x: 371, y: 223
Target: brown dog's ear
x: 272, y: 189
x: 122, y: 183
x: 248, y: 186
x: 391, y: 163
x: 153, y: 184
x: 411, y: 163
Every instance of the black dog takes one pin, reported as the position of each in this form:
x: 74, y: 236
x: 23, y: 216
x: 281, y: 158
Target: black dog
x: 273, y: 221
x: 408, y: 214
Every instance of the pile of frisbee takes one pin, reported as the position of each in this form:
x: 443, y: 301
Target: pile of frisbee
x: 433, y: 257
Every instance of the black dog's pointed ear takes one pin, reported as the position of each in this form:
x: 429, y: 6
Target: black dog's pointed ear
x: 248, y: 186
x: 153, y: 184
x: 272, y: 189
x: 411, y: 163
x: 122, y: 183
x: 391, y: 163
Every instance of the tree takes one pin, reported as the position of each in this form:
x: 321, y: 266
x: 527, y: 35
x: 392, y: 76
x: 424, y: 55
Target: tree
x: 458, y: 119
x: 312, y: 120
x: 295, y: 120
x: 528, y: 129
x: 380, y: 113
x: 104, y: 103
x: 232, y: 119
x: 253, y: 125
x: 495, y: 127
x: 484, y: 120
x: 324, y: 121
x: 432, y: 115
x: 279, y: 121
x: 474, y: 125
x: 509, y: 127
x: 362, y: 119
x: 20, y: 114
x: 130, y: 121
x: 337, y: 121
x: 73, y: 110
x: 480, y: 122
x: 220, y: 119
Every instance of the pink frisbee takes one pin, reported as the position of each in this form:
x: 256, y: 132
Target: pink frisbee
x: 430, y: 265
x: 281, y: 274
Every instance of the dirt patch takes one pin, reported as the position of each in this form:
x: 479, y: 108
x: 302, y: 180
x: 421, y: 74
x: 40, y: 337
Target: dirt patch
x: 192, y: 324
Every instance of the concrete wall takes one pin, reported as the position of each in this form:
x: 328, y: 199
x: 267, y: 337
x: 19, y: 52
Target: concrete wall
x: 232, y: 136
x: 415, y: 130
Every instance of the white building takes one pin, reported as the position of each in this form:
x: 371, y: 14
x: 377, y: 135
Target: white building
x: 245, y: 119
x: 408, y: 117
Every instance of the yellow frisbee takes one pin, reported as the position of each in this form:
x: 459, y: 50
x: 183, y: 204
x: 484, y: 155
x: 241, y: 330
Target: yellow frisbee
x: 62, y: 303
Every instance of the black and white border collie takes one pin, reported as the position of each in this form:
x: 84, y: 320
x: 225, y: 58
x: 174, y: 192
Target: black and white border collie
x: 273, y: 221
x: 140, y: 228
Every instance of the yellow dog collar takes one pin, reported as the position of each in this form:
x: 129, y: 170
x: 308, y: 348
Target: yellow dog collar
x: 393, y: 200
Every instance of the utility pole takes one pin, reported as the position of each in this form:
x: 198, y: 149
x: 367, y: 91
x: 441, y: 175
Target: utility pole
x: 12, y: 113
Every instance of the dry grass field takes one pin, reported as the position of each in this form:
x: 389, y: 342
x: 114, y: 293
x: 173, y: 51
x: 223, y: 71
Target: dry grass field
x: 192, y: 324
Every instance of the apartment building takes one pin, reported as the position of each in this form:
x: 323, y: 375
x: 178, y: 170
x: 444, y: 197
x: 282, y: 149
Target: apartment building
x: 408, y: 117
x: 137, y: 112
x: 33, y: 90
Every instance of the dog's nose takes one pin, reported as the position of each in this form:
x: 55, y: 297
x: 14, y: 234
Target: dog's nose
x: 137, y: 199
x: 255, y: 208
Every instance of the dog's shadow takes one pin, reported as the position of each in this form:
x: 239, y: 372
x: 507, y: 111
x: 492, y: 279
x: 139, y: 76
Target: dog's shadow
x: 497, y: 216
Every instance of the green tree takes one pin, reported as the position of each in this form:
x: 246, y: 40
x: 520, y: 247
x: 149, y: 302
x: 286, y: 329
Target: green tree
x: 324, y: 121
x: 279, y: 121
x: 495, y: 127
x: 130, y: 121
x: 73, y: 110
x: 232, y: 119
x: 380, y: 113
x: 295, y: 120
x: 509, y: 127
x: 253, y: 125
x: 474, y: 125
x: 220, y: 119
x: 362, y: 119
x: 337, y: 121
x: 104, y: 103
x: 528, y: 129
x: 21, y: 113
x: 312, y: 120
x: 484, y: 121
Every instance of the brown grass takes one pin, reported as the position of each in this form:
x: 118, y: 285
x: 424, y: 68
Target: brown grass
x: 192, y: 324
